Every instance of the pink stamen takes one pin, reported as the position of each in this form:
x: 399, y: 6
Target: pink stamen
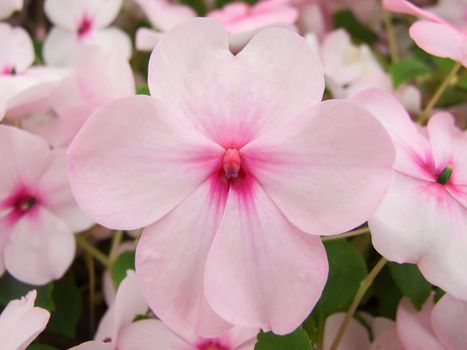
x: 85, y: 26
x: 231, y: 163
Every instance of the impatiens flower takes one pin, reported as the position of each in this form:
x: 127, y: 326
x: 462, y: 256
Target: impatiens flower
x: 235, y: 167
x: 82, y: 22
x: 439, y: 326
x: 433, y: 34
x: 37, y: 211
x: 21, y: 322
x: 423, y: 219
x: 357, y: 336
x: 7, y: 7
x: 241, y: 20
x: 119, y: 330
x: 22, y: 87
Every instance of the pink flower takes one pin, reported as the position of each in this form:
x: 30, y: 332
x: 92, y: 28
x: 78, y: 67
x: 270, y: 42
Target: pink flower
x: 118, y: 330
x: 357, y: 337
x: 433, y: 34
x: 235, y: 167
x: 79, y: 22
x: 453, y: 11
x: 21, y: 322
x: 7, y: 7
x: 423, y: 218
x: 241, y: 20
x: 22, y: 87
x: 439, y: 326
x: 37, y: 211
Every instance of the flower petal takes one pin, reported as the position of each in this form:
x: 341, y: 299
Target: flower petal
x: 131, y: 163
x: 404, y: 6
x: 440, y: 40
x: 9, y: 6
x: 328, y: 171
x: 261, y: 270
x: 414, y: 328
x: 40, y: 247
x: 17, y: 50
x: 449, y: 322
x: 94, y: 345
x: 112, y: 40
x: 170, y: 261
x: 147, y: 39
x: 240, y: 92
x: 60, y: 47
x: 356, y: 337
x: 165, y: 15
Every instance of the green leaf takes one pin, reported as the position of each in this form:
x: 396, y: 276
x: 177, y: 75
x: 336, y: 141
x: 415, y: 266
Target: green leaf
x: 143, y: 90
x: 407, y: 69
x: 346, y: 270
x: 11, y: 288
x: 125, y: 262
x: 358, y: 31
x: 411, y: 282
x: 68, y: 306
x: 297, y: 340
x: 39, y: 346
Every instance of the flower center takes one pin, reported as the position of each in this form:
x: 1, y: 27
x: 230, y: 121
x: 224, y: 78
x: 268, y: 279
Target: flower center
x: 231, y: 163
x: 85, y: 26
x: 8, y: 70
x: 212, y: 345
x: 24, y: 203
x: 445, y: 175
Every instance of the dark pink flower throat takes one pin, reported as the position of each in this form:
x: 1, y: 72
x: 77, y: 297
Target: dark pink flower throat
x: 212, y: 345
x: 85, y: 26
x: 19, y: 204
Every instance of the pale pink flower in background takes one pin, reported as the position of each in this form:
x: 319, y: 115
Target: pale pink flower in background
x: 231, y: 164
x: 82, y: 22
x: 22, y: 87
x: 439, y: 326
x: 21, y: 322
x: 118, y: 330
x: 241, y: 20
x: 433, y: 34
x: 97, y: 77
x: 7, y: 7
x: 357, y: 336
x: 453, y: 11
x: 37, y: 211
x: 423, y: 219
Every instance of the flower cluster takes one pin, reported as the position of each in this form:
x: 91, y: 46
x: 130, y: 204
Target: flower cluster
x: 238, y: 173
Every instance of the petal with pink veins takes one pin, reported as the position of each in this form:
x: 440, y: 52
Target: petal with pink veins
x: 241, y: 93
x: 171, y: 258
x: 261, y: 270
x: 40, y: 247
x: 328, y: 171
x: 449, y: 322
x: 134, y: 158
x: 21, y: 322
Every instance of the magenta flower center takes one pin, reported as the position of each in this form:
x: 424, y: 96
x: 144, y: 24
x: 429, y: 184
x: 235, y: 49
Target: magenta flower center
x: 8, y: 70
x: 85, y: 26
x: 212, y: 345
x: 24, y: 203
x: 231, y: 163
x: 19, y: 204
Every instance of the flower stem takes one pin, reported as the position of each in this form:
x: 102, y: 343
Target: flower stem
x: 92, y: 290
x: 84, y: 244
x: 391, y: 36
x: 425, y: 115
x: 364, y: 285
x: 116, y: 240
x: 357, y: 232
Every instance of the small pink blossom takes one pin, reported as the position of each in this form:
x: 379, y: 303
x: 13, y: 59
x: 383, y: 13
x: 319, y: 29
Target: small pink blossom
x: 83, y: 22
x: 21, y: 322
x: 37, y: 211
x: 433, y: 34
x: 234, y: 168
x: 7, y: 7
x: 423, y: 219
x: 439, y: 326
x: 22, y: 87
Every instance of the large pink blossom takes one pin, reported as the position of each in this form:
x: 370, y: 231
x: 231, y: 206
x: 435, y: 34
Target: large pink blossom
x: 21, y: 322
x: 22, y: 87
x: 82, y: 22
x: 423, y: 218
x: 439, y: 326
x: 235, y: 167
x: 117, y: 329
x: 433, y: 34
x: 7, y: 7
x: 37, y: 211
